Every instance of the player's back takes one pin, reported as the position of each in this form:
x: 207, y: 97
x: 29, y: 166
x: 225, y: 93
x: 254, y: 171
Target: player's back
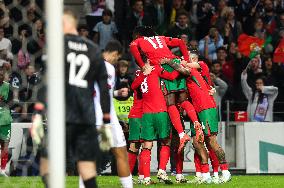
x: 152, y: 95
x: 82, y: 64
x: 155, y: 48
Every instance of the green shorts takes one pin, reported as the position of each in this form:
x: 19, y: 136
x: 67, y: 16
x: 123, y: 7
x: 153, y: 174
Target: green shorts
x: 209, y: 121
x: 5, y: 132
x: 134, y: 129
x: 176, y: 85
x: 155, y: 126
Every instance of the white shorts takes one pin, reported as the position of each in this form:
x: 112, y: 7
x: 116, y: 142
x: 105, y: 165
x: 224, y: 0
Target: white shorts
x: 118, y: 136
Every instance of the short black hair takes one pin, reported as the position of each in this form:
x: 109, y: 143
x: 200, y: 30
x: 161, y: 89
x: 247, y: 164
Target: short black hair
x: 145, y: 31
x: 182, y: 12
x: 221, y: 48
x: 114, y: 45
x: 107, y: 12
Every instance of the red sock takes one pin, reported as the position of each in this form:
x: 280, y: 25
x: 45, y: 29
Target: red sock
x: 214, y: 160
x: 175, y: 118
x: 140, y: 166
x: 224, y: 166
x: 132, y: 160
x: 179, y: 162
x: 204, y: 168
x: 4, y: 157
x: 197, y: 162
x: 164, y: 157
x: 146, y: 160
x: 190, y: 111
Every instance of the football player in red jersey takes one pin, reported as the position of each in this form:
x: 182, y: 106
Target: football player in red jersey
x: 135, y: 123
x: 155, y: 121
x: 204, y: 71
x: 155, y: 48
x: 205, y: 106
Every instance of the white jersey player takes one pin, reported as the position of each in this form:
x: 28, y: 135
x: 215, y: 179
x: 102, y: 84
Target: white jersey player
x: 111, y: 54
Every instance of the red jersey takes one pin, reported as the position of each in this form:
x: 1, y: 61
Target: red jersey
x: 156, y: 48
x: 198, y: 91
x: 205, y: 73
x: 152, y: 95
x: 136, y: 110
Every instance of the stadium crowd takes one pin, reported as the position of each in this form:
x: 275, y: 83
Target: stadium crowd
x: 213, y: 27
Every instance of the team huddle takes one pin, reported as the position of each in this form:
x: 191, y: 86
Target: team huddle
x: 166, y: 86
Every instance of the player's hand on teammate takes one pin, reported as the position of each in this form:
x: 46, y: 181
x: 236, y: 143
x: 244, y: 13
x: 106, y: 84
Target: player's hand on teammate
x: 147, y: 69
x: 164, y: 61
x: 105, y: 137
x: 199, y: 132
x: 212, y: 91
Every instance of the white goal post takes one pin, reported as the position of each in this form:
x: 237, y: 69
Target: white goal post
x: 55, y: 83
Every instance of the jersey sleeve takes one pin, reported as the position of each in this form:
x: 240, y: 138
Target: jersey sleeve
x: 138, y: 80
x: 175, y: 42
x: 205, y: 72
x: 134, y: 50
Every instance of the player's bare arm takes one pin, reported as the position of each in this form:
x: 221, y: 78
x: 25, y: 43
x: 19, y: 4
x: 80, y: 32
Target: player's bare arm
x: 179, y: 68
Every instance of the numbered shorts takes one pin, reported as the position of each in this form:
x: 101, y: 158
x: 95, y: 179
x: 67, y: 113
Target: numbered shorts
x: 155, y: 126
x: 170, y: 86
x: 5, y: 132
x: 209, y: 121
x: 81, y: 142
x: 135, y: 125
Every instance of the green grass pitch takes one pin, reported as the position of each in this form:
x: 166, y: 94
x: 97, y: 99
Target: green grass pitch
x: 113, y: 182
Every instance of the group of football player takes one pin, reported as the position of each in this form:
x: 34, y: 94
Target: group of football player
x: 166, y: 86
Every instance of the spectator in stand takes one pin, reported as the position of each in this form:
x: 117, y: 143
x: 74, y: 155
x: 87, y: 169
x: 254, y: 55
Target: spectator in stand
x: 279, y: 31
x: 210, y: 43
x: 216, y: 69
x: 181, y: 27
x: 137, y: 17
x: 83, y: 31
x: 272, y: 71
x: 222, y: 8
x: 227, y: 66
x: 6, y: 55
x: 123, y: 78
x: 176, y: 6
x: 269, y: 17
x: 254, y: 70
x: 259, y: 30
x: 40, y: 33
x: 205, y: 11
x: 260, y: 99
x: 229, y: 26
x: 105, y: 30
x: 158, y: 10
x: 4, y: 15
x: 241, y: 9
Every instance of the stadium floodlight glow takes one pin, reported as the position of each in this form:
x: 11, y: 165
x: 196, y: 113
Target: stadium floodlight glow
x: 55, y: 91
